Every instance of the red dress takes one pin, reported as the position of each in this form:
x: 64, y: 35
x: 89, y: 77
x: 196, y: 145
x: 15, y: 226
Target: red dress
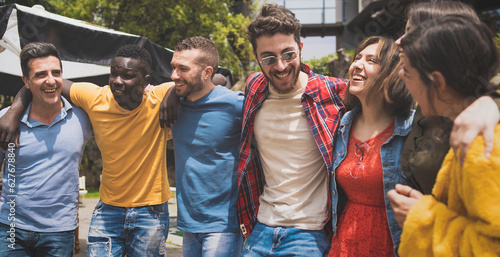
x: 362, y: 228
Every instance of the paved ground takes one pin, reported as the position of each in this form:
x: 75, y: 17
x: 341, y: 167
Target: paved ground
x: 174, y: 242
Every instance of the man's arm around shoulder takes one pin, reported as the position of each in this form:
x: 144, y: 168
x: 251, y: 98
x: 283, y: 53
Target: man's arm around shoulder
x: 9, y: 123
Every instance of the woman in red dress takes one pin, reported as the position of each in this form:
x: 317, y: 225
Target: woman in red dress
x: 368, y: 145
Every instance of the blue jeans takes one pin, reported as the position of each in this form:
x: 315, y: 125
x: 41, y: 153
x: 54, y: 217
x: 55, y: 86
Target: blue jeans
x: 212, y: 244
x: 139, y: 231
x: 280, y: 241
x: 16, y: 242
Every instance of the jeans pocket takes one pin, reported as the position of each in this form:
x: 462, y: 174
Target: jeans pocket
x: 159, y: 208
x: 99, y: 246
x: 99, y: 206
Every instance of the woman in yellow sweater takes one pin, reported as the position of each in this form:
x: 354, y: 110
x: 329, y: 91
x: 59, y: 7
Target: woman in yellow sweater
x: 447, y: 64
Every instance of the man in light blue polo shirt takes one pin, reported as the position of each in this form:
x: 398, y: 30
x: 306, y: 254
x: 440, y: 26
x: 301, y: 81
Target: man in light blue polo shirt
x: 39, y: 199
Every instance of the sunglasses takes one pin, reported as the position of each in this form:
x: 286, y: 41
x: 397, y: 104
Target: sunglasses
x: 286, y: 57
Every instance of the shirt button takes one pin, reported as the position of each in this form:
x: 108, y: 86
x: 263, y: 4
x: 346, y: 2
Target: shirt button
x: 333, y: 192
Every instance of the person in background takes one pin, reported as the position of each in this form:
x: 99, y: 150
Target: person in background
x: 39, y: 200
x: 219, y: 80
x: 460, y: 218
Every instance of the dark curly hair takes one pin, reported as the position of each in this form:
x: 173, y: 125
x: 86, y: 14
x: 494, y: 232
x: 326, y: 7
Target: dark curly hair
x: 136, y: 52
x: 271, y: 20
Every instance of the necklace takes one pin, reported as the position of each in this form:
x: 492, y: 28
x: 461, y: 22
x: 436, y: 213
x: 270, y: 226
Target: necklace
x: 359, y: 150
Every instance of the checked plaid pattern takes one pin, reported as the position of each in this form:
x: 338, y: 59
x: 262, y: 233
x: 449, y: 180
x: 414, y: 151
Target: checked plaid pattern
x: 323, y: 108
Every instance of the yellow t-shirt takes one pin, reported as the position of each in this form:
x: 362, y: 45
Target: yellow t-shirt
x: 133, y: 145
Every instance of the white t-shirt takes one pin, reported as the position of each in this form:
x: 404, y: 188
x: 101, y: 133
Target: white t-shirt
x: 295, y: 193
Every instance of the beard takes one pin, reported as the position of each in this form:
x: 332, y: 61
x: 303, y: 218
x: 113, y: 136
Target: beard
x: 286, y: 86
x: 194, y: 85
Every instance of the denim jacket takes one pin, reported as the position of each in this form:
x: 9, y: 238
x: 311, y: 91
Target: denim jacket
x: 392, y: 172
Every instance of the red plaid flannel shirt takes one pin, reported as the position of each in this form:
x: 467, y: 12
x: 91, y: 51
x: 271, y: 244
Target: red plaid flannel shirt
x: 323, y: 108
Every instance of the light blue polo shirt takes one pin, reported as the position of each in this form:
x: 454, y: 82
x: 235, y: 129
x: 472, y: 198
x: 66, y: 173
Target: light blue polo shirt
x: 44, y: 195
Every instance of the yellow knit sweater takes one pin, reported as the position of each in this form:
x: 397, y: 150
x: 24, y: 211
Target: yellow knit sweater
x: 464, y: 218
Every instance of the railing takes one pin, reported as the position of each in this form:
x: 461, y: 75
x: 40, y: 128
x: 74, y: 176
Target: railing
x: 313, y: 11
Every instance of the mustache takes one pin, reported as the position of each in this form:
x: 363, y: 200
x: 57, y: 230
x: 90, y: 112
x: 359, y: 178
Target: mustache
x: 287, y: 70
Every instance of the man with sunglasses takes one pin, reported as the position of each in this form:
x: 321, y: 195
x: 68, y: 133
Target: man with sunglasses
x: 289, y: 119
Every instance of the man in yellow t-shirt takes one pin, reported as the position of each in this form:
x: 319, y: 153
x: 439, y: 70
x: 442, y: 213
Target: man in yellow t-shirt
x: 132, y: 216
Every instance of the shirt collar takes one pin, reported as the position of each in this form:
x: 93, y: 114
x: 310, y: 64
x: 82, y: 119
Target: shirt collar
x: 402, y: 125
x: 64, y: 112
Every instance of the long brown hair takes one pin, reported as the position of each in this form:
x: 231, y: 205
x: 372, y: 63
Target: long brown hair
x: 460, y: 48
x: 387, y: 84
x: 420, y: 12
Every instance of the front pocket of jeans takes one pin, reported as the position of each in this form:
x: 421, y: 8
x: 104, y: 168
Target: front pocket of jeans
x: 99, y: 246
x: 159, y: 208
x: 99, y: 206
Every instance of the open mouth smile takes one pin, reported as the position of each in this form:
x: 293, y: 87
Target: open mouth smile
x: 358, y: 78
x: 281, y: 75
x: 49, y: 90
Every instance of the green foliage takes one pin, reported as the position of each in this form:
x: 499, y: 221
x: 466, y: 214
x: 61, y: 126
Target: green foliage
x: 320, y: 65
x: 166, y: 22
x: 234, y: 48
x: 92, y: 193
x: 349, y: 52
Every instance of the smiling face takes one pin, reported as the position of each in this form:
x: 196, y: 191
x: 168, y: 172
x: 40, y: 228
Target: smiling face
x: 45, y: 80
x: 127, y: 81
x: 283, y: 75
x: 187, y: 73
x: 363, y: 71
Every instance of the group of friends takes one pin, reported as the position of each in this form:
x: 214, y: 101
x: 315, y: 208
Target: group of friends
x: 301, y: 164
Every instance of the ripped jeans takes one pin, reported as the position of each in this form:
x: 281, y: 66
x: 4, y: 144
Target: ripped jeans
x: 119, y: 231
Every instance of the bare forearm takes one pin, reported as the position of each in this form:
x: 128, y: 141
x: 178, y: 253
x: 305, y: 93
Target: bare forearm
x: 9, y: 122
x: 66, y: 89
x: 21, y: 102
x: 168, y: 108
